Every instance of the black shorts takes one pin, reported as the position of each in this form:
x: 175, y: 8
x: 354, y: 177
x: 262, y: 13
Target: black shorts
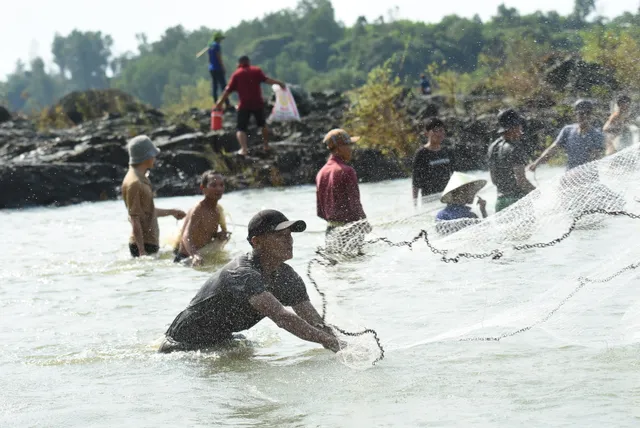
x: 148, y: 248
x: 245, y: 115
x: 179, y: 256
x: 169, y: 345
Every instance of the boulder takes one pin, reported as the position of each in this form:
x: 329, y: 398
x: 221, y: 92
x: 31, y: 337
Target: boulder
x: 111, y: 153
x: 58, y: 184
x: 189, y: 162
x: 5, y: 115
x: 81, y: 106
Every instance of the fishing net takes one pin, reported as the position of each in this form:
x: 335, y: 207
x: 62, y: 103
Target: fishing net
x: 559, y: 263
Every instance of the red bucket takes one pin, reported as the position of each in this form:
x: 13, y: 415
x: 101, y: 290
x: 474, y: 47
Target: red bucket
x: 216, y: 120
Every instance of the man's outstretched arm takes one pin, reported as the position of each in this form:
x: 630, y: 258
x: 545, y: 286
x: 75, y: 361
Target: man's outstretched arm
x: 271, y: 81
x: 269, y: 306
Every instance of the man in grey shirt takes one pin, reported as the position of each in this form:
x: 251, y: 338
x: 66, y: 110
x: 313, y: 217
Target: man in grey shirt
x: 581, y: 141
x: 253, y: 286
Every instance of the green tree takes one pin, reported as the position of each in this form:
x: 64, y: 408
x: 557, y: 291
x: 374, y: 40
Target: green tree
x: 582, y: 9
x: 83, y: 57
x: 376, y: 117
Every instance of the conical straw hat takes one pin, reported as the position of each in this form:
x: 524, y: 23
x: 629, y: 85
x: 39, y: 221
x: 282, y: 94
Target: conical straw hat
x: 458, y: 181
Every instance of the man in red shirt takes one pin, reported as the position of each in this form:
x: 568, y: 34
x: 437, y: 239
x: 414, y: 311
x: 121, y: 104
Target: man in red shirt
x: 337, y: 193
x: 246, y: 81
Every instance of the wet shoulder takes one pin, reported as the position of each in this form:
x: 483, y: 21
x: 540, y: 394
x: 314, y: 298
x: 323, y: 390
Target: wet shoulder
x: 287, y: 283
x: 237, y: 277
x: 130, y: 179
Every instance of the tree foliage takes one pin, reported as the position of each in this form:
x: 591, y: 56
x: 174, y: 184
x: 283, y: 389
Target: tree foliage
x: 377, y: 117
x: 307, y: 45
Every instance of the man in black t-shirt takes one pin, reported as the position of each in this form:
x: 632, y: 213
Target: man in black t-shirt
x: 249, y: 288
x: 507, y: 161
x: 432, y: 164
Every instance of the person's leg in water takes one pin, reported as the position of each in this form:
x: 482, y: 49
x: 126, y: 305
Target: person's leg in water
x: 150, y: 249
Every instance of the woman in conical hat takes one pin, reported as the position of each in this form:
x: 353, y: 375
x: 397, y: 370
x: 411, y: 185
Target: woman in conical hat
x: 459, y: 194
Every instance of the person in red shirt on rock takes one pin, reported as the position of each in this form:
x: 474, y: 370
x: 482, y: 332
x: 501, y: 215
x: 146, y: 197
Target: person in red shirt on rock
x: 337, y: 192
x: 246, y: 81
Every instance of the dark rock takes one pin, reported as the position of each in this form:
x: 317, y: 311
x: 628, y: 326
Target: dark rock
x: 577, y: 75
x: 195, y: 140
x: 371, y: 165
x: 112, y: 153
x: 189, y: 162
x: 96, y: 103
x: 58, y: 184
x: 559, y: 73
x: 5, y: 115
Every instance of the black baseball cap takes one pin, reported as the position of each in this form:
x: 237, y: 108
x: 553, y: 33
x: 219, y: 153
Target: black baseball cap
x: 508, y: 119
x: 272, y: 221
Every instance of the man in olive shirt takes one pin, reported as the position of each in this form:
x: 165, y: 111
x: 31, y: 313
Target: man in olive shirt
x: 252, y: 286
x: 507, y: 161
x: 137, y: 194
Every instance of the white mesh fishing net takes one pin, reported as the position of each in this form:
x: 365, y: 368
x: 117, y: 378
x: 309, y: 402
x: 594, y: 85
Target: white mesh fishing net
x: 558, y: 264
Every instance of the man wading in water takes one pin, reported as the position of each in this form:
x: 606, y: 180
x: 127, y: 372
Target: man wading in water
x: 203, y: 221
x: 582, y: 142
x: 253, y: 286
x: 137, y: 194
x: 507, y: 161
x: 432, y: 164
x: 337, y: 192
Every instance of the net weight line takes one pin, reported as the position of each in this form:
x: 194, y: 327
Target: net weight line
x: 581, y: 283
x: 324, y: 261
x: 497, y: 253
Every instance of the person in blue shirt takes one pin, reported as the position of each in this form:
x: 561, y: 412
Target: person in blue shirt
x: 425, y: 86
x: 581, y: 141
x: 216, y: 67
x: 458, y: 195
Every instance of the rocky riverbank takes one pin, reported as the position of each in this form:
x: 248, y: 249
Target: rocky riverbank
x: 87, y: 160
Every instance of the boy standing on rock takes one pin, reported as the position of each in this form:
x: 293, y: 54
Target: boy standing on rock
x: 203, y: 221
x: 137, y: 194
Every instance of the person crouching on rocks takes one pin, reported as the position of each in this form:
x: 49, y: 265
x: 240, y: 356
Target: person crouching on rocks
x: 137, y: 194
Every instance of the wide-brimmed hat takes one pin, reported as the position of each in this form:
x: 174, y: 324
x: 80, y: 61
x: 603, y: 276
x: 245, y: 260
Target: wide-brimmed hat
x: 508, y: 119
x: 458, y: 183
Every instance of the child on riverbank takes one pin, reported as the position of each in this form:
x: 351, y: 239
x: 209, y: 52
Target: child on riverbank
x: 205, y: 222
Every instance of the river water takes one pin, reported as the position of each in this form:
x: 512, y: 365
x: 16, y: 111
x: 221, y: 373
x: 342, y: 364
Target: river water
x: 81, y: 322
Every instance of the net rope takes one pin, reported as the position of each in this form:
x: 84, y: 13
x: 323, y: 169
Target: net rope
x: 582, y: 199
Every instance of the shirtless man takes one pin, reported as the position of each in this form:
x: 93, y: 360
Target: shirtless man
x: 203, y: 221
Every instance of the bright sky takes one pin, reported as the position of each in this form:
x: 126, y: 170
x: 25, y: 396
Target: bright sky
x: 28, y: 27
